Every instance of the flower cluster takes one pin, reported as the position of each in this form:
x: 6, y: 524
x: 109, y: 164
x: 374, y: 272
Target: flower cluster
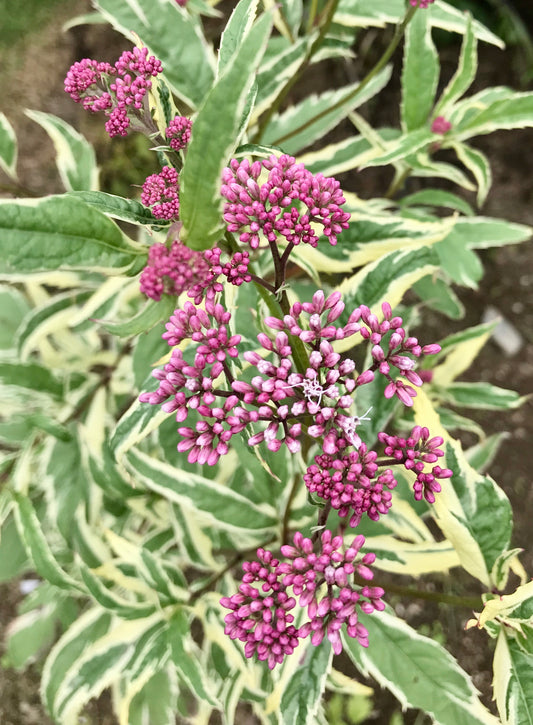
x: 351, y: 484
x: 172, y: 271
x: 179, y: 269
x: 178, y: 133
x: 440, y: 125
x: 117, y: 90
x: 414, y: 453
x: 323, y: 581
x: 161, y: 192
x: 421, y: 3
x: 395, y: 353
x: 290, y: 202
x: 283, y: 402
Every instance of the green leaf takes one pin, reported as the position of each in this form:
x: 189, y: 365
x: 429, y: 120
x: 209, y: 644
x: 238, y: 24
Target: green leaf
x: 302, y: 124
x: 60, y: 232
x: 438, y: 295
x: 515, y: 111
x: 303, y: 693
x: 276, y: 70
x: 65, y: 475
x: 29, y: 633
x: 127, y: 210
x: 513, y: 680
x: 75, y: 157
x: 225, y: 508
x: 292, y: 15
x: 47, y: 318
x: 458, y: 261
x: 237, y: 27
x: 101, y: 664
x: 399, y: 149
x: 208, y: 152
x: 417, y: 670
x: 482, y: 455
x: 188, y: 667
x: 13, y: 556
x: 88, y: 628
x: 173, y: 35
x: 149, y: 316
x: 420, y: 73
x: 464, y: 75
x: 473, y: 513
x: 437, y: 198
x: 108, y: 599
x: 386, y: 279
x: 477, y: 163
x: 13, y: 308
x: 156, y: 702
x: 31, y: 376
x: 37, y: 546
x: 8, y: 147
x: 483, y: 396
x: 484, y: 232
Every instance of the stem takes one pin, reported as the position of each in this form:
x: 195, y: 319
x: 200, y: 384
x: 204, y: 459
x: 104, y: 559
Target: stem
x: 398, y: 182
x: 411, y: 592
x: 398, y: 34
x: 321, y: 522
x: 233, y: 562
x: 296, y: 77
x: 287, y: 512
x: 312, y: 15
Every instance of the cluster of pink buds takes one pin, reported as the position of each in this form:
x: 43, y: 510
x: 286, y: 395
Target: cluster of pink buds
x: 328, y: 580
x: 161, y: 193
x: 421, y: 3
x: 117, y: 90
x: 395, y: 353
x: 440, y: 125
x: 273, y: 207
x: 281, y: 401
x: 179, y: 269
x: 351, y: 484
x: 172, y: 271
x: 178, y: 133
x: 414, y: 453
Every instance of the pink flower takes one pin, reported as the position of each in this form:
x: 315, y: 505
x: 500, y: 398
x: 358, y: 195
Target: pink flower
x: 321, y: 575
x: 119, y: 91
x: 172, y: 271
x: 274, y: 207
x: 421, y: 3
x: 349, y: 482
x: 161, y: 192
x: 414, y: 453
x: 440, y: 125
x: 179, y: 132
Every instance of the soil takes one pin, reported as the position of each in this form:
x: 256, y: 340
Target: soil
x: 31, y: 76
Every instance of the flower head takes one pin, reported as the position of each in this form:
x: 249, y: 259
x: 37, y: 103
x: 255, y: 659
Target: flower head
x: 440, y: 125
x: 161, y: 192
x: 117, y: 90
x: 178, y: 133
x: 290, y: 203
x: 415, y: 452
x: 172, y: 271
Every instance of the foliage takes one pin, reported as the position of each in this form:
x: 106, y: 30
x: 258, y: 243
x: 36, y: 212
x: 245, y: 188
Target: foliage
x: 137, y: 532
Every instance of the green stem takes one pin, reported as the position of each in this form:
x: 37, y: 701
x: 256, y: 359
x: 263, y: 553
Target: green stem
x: 398, y: 34
x: 239, y: 556
x: 411, y: 592
x: 296, y: 77
x: 396, y: 185
x: 288, y: 509
x: 312, y: 15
